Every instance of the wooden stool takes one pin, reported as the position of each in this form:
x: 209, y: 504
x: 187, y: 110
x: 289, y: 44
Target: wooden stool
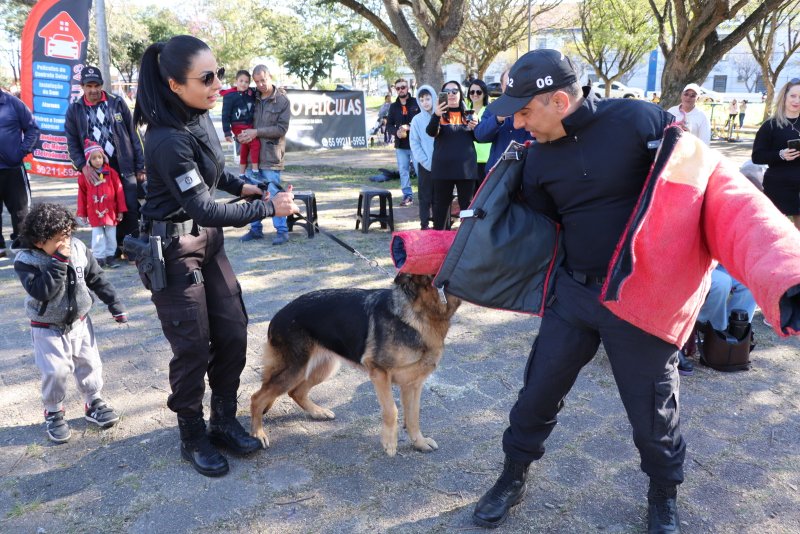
x: 310, y: 222
x: 365, y: 217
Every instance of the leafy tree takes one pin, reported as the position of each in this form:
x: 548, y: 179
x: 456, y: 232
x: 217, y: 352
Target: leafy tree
x: 14, y: 14
x: 424, y: 38
x: 310, y: 57
x: 235, y: 33
x: 491, y: 27
x: 764, y: 40
x: 614, y: 36
x: 690, y: 42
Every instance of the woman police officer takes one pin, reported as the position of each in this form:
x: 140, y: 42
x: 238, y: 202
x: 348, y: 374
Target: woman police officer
x: 201, y: 309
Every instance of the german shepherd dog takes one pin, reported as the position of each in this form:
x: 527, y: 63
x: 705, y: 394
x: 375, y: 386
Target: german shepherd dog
x: 396, y: 335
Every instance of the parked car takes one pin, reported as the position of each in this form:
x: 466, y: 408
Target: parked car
x: 343, y: 87
x: 618, y: 90
x: 494, y: 89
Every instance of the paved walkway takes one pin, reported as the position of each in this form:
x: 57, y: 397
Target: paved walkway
x: 742, y: 429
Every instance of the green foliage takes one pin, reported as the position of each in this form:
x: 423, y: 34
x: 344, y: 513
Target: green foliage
x: 14, y: 14
x: 310, y: 42
x: 615, y: 35
x: 235, y: 32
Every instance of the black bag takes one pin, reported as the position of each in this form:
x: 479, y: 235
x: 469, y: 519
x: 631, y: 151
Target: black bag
x: 722, y: 354
x: 505, y: 253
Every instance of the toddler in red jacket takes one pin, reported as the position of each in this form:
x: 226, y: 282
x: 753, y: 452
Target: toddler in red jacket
x: 101, y: 203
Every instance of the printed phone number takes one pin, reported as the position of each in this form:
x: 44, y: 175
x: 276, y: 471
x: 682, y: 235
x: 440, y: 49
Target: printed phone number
x: 336, y: 142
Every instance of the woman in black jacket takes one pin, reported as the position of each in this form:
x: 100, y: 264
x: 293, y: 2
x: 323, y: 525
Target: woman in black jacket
x: 201, y: 310
x: 776, y: 145
x: 454, y: 161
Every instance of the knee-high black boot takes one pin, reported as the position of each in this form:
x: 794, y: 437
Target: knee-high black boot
x: 492, y: 509
x: 197, y: 449
x: 225, y: 430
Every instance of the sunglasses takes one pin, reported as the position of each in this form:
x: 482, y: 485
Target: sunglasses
x: 451, y: 91
x: 208, y: 77
x: 400, y: 87
x: 475, y: 92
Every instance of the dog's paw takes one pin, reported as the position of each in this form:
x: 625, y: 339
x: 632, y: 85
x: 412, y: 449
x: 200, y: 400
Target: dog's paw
x: 322, y: 414
x: 262, y: 437
x: 425, y: 444
x: 390, y: 448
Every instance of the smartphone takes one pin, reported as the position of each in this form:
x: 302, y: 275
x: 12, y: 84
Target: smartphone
x: 793, y: 144
x: 442, y: 98
x: 469, y: 114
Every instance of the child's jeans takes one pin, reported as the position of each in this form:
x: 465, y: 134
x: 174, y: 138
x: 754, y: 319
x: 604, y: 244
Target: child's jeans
x: 104, y: 241
x: 58, y: 356
x: 272, y: 179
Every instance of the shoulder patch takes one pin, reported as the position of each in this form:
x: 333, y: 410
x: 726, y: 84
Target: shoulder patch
x: 188, y: 180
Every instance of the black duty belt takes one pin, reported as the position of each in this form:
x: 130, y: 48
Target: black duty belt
x: 187, y: 279
x: 586, y: 279
x: 168, y: 229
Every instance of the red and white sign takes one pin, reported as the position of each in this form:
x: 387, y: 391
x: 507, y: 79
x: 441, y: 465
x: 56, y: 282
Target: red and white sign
x: 62, y: 37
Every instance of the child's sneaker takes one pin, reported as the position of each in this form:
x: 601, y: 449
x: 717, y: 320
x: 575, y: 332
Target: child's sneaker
x: 57, y: 427
x: 101, y: 414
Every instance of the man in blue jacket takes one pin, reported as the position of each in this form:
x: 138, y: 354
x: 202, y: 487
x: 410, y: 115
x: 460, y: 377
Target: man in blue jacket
x: 18, y: 134
x: 499, y: 131
x: 106, y: 120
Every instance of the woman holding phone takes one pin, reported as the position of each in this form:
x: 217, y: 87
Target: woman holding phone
x: 777, y: 145
x: 478, y: 100
x: 454, y: 162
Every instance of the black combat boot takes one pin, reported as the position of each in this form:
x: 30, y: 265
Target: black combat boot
x: 197, y: 450
x: 662, y: 509
x: 492, y: 510
x: 226, y: 431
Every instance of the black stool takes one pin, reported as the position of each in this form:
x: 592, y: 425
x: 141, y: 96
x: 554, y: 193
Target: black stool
x: 365, y: 217
x: 310, y: 222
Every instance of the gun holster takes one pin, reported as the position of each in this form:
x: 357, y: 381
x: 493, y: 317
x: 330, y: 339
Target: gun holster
x: 146, y: 251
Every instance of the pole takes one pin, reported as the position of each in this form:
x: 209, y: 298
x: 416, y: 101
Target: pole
x: 102, y: 43
x: 529, y: 25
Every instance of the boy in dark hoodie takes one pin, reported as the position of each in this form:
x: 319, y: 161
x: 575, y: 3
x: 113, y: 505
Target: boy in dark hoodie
x: 57, y: 271
x: 238, y: 106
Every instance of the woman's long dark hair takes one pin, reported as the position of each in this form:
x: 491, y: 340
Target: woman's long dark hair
x: 480, y: 83
x: 156, y: 103
x: 460, y: 94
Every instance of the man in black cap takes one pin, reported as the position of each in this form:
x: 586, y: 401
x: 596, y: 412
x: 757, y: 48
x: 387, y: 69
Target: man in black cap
x: 586, y: 172
x: 106, y: 120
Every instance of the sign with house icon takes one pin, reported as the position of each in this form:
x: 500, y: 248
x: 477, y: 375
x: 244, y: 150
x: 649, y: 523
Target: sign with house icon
x: 62, y: 36
x: 53, y: 53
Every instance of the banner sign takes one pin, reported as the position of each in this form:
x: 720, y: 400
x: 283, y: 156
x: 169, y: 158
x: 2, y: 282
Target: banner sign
x: 54, y: 43
x: 326, y: 119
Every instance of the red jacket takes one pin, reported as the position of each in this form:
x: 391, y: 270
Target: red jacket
x: 697, y: 209
x: 102, y: 202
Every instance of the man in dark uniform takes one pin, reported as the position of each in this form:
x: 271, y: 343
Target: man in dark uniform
x: 587, y: 171
x: 106, y: 120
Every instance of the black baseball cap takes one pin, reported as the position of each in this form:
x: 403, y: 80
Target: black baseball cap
x: 91, y: 74
x: 538, y: 71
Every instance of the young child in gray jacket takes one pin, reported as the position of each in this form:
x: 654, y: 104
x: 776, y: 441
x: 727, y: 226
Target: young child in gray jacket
x: 422, y: 151
x: 57, y: 271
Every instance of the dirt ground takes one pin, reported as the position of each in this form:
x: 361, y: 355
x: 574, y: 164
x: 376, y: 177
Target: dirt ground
x: 742, y: 429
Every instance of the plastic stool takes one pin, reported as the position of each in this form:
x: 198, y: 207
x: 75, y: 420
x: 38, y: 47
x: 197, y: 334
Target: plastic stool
x: 365, y: 217
x: 310, y: 222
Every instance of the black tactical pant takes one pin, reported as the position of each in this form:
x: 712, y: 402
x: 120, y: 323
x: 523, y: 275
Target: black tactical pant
x: 205, y: 323
x: 644, y: 368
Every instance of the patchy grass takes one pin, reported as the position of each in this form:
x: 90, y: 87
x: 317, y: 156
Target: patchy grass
x: 21, y: 509
x: 334, y: 174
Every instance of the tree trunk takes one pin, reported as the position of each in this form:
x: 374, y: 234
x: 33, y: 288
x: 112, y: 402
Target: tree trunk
x: 769, y: 102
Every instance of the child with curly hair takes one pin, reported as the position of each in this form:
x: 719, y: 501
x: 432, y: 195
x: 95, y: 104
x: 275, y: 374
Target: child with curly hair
x: 57, y: 272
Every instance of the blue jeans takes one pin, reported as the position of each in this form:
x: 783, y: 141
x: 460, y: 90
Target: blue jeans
x: 404, y: 167
x: 272, y: 179
x: 726, y: 294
